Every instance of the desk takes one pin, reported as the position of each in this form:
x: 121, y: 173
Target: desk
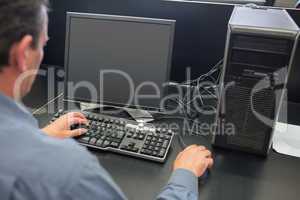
x: 235, y: 176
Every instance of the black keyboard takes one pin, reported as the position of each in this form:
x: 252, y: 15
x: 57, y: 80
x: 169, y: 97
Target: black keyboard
x: 125, y: 136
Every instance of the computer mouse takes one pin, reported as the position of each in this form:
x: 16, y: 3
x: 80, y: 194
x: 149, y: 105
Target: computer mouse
x: 188, y: 140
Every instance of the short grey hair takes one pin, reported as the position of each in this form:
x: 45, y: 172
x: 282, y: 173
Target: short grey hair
x: 17, y: 19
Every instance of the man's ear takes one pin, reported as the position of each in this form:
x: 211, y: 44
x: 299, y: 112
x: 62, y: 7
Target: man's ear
x: 22, y: 52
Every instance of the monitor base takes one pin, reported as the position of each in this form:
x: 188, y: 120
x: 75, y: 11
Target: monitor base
x: 141, y: 116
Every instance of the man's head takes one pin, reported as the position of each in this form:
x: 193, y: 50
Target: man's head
x: 23, y: 35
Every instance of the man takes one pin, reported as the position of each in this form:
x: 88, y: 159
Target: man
x: 44, y: 164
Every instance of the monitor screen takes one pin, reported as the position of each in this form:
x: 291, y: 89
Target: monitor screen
x: 118, y: 60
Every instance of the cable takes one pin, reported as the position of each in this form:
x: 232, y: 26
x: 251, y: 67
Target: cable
x: 181, y: 142
x: 209, y: 74
x: 215, y: 68
x: 185, y: 103
x: 180, y: 134
x: 41, y: 108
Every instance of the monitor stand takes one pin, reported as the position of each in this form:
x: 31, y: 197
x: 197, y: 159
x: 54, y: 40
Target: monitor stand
x: 141, y: 116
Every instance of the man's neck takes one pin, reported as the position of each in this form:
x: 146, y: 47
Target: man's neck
x: 7, y: 83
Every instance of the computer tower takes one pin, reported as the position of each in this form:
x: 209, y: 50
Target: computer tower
x: 259, y: 54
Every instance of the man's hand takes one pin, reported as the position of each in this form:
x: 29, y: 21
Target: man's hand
x: 60, y: 128
x: 195, y: 159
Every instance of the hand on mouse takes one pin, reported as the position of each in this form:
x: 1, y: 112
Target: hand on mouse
x: 60, y: 128
x: 195, y: 159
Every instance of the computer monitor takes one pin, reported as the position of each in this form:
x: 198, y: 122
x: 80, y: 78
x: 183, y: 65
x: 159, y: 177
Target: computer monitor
x: 117, y: 60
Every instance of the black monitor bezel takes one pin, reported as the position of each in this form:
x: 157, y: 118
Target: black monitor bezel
x: 71, y: 15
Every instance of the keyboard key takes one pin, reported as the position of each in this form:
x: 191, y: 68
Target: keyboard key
x: 143, y: 151
x: 120, y: 134
x: 149, y: 137
x: 114, y: 140
x: 103, y: 137
x: 131, y: 144
x: 114, y: 144
x: 141, y: 136
x: 162, y: 153
x: 108, y: 133
x: 84, y: 139
x: 135, y: 149
x: 93, y: 141
x: 114, y: 135
x: 124, y: 147
x: 88, y: 133
x: 99, y: 143
x: 147, y: 152
x: 106, y: 143
x: 165, y: 144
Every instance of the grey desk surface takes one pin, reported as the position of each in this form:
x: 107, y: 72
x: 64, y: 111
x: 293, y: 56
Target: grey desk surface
x: 235, y: 175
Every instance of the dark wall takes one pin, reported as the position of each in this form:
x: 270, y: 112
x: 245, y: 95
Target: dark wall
x: 199, y: 39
